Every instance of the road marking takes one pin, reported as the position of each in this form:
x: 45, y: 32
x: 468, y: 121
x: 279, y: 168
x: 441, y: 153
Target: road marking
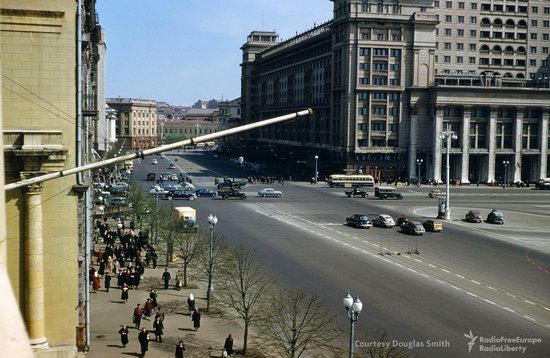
x: 407, y: 256
x: 410, y: 269
x: 338, y: 232
x: 376, y: 245
x: 424, y: 275
x: 356, y: 238
x: 509, y: 294
x: 432, y: 265
x: 529, y: 302
x: 474, y: 281
x: 471, y: 294
x: 491, y: 288
x: 447, y: 271
x: 489, y: 301
x: 457, y: 275
x: 546, y: 308
x: 346, y: 235
x: 530, y: 318
x: 508, y: 309
x: 417, y: 260
x: 456, y: 288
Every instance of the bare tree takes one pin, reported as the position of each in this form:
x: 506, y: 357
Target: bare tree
x: 207, y: 265
x: 379, y: 345
x: 189, y: 247
x: 298, y: 323
x: 170, y: 227
x: 245, y: 286
x: 141, y: 203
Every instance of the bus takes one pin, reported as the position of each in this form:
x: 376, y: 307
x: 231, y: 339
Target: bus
x: 350, y: 181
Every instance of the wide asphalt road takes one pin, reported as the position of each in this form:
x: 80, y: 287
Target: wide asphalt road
x: 492, y: 280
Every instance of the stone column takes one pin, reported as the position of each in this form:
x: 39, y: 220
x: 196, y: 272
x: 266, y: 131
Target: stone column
x: 34, y: 267
x: 492, y: 136
x: 543, y: 130
x: 465, y: 147
x: 412, y: 142
x: 518, y: 126
x: 438, y: 128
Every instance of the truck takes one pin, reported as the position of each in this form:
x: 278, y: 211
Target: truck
x: 229, y: 183
x: 230, y: 192
x: 387, y: 192
x: 356, y: 192
x: 188, y: 216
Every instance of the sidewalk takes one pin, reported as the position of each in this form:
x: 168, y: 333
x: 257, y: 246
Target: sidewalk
x: 108, y: 313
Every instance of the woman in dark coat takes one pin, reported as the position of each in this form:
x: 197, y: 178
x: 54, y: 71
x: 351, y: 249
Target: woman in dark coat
x: 143, y: 339
x: 228, y: 346
x: 180, y: 348
x: 196, y: 317
x: 124, y: 294
x: 123, y: 336
x: 191, y: 303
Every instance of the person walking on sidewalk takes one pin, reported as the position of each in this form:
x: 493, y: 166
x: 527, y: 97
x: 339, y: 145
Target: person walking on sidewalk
x: 228, y: 346
x: 158, y: 326
x: 124, y: 294
x: 107, y: 279
x: 153, y: 295
x: 196, y: 318
x: 148, y: 308
x: 138, y: 315
x: 159, y: 314
x: 143, y: 338
x: 180, y: 348
x: 96, y: 282
x: 191, y: 303
x: 123, y: 336
x: 166, y: 278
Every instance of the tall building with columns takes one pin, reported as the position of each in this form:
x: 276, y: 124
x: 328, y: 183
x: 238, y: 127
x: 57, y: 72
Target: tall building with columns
x: 384, y: 78
x: 49, y: 104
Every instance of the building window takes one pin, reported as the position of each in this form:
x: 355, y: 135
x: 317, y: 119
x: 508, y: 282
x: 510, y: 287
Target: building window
x: 472, y: 60
x: 394, y: 67
x: 473, y: 6
x: 395, y: 82
x: 364, y: 81
x: 459, y: 59
x: 392, y: 127
x: 472, y: 47
x: 448, y: 18
x: 547, y: 10
x: 447, y: 59
x: 533, y: 63
x: 461, y: 5
x: 436, y: 4
x: 460, y: 46
x: 394, y: 96
x: 473, y: 20
x: 447, y: 32
x: 378, y: 142
x: 534, y: 10
x: 473, y: 33
x: 362, y: 142
x: 449, y: 4
x: 533, y: 35
x: 380, y: 81
x: 460, y: 19
x: 378, y: 126
x: 533, y: 49
x: 447, y: 45
x: 364, y: 51
x: 545, y: 37
x: 364, y: 66
x: 534, y: 23
x: 395, y: 53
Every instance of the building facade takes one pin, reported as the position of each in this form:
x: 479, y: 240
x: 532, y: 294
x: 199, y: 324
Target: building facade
x: 384, y: 78
x: 136, y: 121
x: 48, y: 99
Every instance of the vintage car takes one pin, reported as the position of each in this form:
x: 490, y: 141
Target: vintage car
x: 473, y: 216
x: 495, y: 217
x: 413, y: 228
x: 433, y: 225
x: 436, y: 193
x: 359, y: 220
x: 383, y: 220
x: 270, y: 192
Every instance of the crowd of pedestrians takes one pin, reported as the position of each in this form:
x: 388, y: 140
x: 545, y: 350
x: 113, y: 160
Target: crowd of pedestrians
x: 126, y: 255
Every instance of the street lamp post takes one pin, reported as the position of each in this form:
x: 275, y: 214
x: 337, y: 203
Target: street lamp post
x: 353, y: 309
x: 506, y: 163
x: 419, y: 163
x: 448, y: 135
x: 157, y: 191
x: 212, y: 221
x: 316, y: 172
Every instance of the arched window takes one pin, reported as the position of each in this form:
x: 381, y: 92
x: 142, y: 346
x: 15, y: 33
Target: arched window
x: 520, y: 75
x: 484, y: 48
x: 508, y: 75
x: 509, y: 49
x: 497, y: 48
x: 485, y: 22
x: 522, y: 23
x: 521, y: 50
x: 496, y: 74
x: 497, y: 22
x: 510, y: 23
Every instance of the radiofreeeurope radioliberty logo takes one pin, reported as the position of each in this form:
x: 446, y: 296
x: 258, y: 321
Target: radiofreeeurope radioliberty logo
x: 472, y: 341
x: 500, y: 343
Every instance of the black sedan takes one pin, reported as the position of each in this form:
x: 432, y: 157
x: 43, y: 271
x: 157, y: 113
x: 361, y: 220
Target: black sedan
x: 473, y: 217
x: 204, y: 192
x: 179, y: 194
x: 495, y: 217
x: 359, y: 220
x: 413, y: 228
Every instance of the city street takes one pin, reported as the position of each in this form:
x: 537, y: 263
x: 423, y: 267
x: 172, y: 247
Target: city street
x: 490, y: 280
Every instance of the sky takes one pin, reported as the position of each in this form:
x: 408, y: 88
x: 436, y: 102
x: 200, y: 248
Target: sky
x: 180, y: 51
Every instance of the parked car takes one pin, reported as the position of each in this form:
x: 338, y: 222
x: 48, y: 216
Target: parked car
x: 155, y: 162
x: 402, y: 220
x: 180, y: 194
x: 383, y: 220
x: 433, y: 225
x: 160, y: 191
x: 473, y: 216
x: 495, y: 217
x: 413, y: 228
x: 436, y: 194
x: 359, y: 220
x: 172, y: 166
x: 270, y: 192
x: 356, y: 192
x: 188, y: 186
x: 205, y: 192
